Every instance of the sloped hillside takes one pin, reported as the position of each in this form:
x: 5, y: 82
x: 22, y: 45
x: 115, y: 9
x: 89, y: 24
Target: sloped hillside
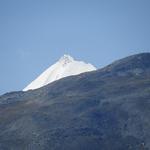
x: 107, y: 109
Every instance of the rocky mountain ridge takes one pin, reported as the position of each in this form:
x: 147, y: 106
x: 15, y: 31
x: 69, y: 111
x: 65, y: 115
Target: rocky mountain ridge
x: 104, y: 109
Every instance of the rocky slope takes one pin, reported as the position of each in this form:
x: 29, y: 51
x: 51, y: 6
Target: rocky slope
x: 107, y: 109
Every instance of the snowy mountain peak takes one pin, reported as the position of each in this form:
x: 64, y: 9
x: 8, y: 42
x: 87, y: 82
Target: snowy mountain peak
x: 66, y: 59
x: 66, y: 66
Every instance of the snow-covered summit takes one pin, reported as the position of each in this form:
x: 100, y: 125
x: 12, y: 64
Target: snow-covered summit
x: 66, y: 59
x: 65, y: 66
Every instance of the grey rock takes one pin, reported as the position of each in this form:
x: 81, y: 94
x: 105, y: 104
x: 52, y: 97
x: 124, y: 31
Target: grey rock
x: 107, y: 109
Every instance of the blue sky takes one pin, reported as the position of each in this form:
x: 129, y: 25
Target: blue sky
x: 35, y: 33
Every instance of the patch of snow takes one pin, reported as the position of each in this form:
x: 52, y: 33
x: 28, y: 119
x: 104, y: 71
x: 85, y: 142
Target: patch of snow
x: 66, y: 66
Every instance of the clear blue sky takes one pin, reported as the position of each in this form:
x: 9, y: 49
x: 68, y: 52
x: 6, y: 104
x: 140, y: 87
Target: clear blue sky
x: 35, y: 33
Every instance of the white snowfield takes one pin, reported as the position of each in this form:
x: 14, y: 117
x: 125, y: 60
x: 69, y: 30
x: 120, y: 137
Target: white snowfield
x: 66, y: 66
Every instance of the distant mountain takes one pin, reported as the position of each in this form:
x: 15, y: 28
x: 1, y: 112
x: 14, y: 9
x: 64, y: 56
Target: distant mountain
x: 66, y: 66
x: 106, y: 109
